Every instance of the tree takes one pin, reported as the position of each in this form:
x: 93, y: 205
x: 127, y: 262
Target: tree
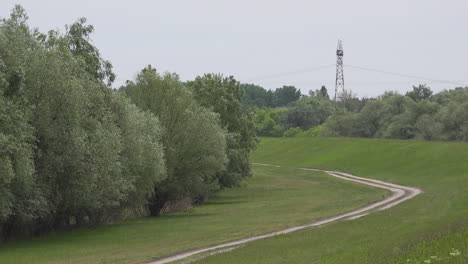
x: 194, y: 141
x: 321, y: 93
x: 72, y: 151
x: 77, y: 40
x: 267, y: 121
x: 285, y: 95
x: 223, y: 95
x: 341, y: 124
x: 292, y: 132
x: 370, y: 119
x: 255, y: 95
x: 142, y: 156
x: 350, y: 102
x: 324, y: 92
x: 427, y: 128
x: 21, y: 198
x: 307, y: 113
x: 454, y: 117
x: 420, y: 92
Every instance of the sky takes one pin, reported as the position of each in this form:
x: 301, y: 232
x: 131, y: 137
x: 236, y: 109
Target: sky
x: 274, y: 43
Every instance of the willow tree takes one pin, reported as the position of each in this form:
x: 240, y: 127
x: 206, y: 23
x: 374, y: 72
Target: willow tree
x: 194, y: 142
x: 71, y: 149
x: 223, y: 95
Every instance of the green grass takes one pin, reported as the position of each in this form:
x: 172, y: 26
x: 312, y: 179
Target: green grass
x: 431, y: 224
x: 446, y: 248
x: 274, y: 198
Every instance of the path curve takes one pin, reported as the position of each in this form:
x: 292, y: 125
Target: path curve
x: 400, y: 194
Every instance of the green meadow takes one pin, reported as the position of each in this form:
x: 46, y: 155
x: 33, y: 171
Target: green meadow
x: 273, y: 199
x: 430, y: 228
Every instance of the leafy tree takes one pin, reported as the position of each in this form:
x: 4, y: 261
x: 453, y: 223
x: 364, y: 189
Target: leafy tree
x: 267, y: 121
x: 285, y: 95
x: 307, y: 113
x: 420, y: 92
x: 79, y: 145
x: 21, y: 199
x: 427, y: 128
x: 194, y: 141
x: 457, y: 95
x: 142, y: 156
x: 341, y: 124
x: 223, y: 95
x: 350, y: 102
x: 79, y: 43
x: 313, y: 131
x: 72, y: 151
x: 321, y: 93
x: 324, y: 92
x: 454, y: 117
x: 257, y: 96
x: 370, y: 119
x: 292, y: 132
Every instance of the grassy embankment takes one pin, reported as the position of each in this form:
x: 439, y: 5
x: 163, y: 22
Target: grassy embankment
x: 431, y: 228
x: 273, y: 199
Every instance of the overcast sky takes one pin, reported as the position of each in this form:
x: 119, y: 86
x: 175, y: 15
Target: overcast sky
x: 254, y: 39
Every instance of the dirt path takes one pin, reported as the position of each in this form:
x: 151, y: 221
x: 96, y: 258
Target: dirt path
x: 400, y: 194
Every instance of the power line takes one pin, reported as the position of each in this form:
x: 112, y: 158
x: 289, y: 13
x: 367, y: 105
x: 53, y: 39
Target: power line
x: 277, y: 75
x: 330, y: 82
x: 403, y: 75
x: 368, y: 69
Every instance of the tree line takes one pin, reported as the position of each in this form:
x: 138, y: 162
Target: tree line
x: 74, y: 151
x: 419, y: 114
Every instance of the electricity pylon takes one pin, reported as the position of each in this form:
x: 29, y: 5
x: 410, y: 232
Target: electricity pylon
x: 339, y: 82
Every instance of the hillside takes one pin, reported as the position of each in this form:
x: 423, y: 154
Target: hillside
x: 432, y: 224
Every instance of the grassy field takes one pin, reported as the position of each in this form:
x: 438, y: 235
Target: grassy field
x: 273, y: 199
x: 431, y: 228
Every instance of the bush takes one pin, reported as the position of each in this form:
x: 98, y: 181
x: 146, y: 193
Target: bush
x: 292, y: 132
x: 313, y: 131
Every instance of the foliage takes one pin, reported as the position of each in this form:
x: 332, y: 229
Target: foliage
x: 285, y: 95
x: 313, y: 131
x: 142, y: 156
x: 292, y: 132
x: 223, y: 95
x: 420, y: 92
x: 72, y: 151
x: 321, y: 93
x: 267, y: 121
x: 419, y: 115
x: 21, y: 199
x: 255, y: 95
x: 77, y: 38
x: 194, y: 141
x: 307, y: 113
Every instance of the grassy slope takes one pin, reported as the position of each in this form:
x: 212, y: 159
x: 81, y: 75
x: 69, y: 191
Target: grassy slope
x: 274, y: 198
x: 432, y: 222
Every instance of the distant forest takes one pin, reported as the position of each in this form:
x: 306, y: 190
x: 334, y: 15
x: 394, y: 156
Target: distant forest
x: 419, y: 114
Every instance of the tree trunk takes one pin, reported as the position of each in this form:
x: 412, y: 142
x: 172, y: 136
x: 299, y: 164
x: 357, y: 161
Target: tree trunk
x: 157, y: 203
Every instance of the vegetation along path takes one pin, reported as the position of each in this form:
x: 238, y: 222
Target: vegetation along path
x: 400, y: 194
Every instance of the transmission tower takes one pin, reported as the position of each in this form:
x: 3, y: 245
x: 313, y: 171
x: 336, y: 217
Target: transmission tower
x: 339, y: 82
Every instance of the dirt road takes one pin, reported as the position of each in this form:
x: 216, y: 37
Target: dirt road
x: 400, y: 194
